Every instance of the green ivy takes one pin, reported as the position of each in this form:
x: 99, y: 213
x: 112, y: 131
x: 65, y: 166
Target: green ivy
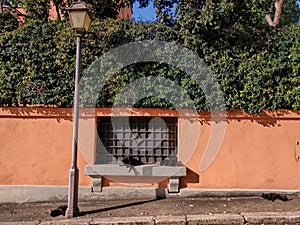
x: 257, y: 68
x: 8, y: 22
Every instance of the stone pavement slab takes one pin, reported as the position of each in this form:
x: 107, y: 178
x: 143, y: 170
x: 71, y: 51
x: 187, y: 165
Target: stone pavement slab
x: 214, y: 219
x: 169, y: 220
x: 272, y: 217
x: 142, y: 220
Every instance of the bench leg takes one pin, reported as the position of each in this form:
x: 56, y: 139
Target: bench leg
x: 173, y: 186
x: 97, y: 184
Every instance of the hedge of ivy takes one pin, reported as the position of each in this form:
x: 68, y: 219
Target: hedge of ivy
x: 8, y: 22
x: 38, y: 63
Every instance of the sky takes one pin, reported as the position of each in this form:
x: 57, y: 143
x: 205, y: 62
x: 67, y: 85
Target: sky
x: 145, y: 14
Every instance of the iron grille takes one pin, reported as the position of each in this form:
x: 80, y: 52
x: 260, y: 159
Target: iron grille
x: 149, y: 139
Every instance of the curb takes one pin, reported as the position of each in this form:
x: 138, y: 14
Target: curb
x: 244, y: 218
x: 273, y: 217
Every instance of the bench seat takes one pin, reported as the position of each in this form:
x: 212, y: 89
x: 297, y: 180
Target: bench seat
x: 173, y: 173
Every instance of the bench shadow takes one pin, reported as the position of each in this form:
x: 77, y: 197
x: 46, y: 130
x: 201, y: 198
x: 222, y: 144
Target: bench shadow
x: 160, y: 194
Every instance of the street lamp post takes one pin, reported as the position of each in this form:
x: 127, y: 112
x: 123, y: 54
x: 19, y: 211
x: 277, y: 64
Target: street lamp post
x: 80, y: 21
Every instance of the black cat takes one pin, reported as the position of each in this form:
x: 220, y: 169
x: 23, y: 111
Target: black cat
x: 61, y: 210
x: 274, y: 196
x: 132, y: 161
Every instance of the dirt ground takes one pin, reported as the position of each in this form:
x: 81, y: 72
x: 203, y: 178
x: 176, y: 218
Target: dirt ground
x: 170, y: 206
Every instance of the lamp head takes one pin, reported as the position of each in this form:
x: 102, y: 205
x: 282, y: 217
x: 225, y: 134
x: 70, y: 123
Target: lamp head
x: 80, y: 17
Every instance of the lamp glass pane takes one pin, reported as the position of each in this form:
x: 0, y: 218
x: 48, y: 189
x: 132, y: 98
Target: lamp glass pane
x: 77, y: 19
x: 87, y: 22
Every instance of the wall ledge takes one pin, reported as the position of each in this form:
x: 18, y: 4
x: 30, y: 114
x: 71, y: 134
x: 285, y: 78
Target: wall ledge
x: 67, y: 113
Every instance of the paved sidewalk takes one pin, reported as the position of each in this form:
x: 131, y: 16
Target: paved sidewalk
x: 215, y: 210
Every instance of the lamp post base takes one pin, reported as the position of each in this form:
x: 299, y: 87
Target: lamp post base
x: 73, y: 210
x: 70, y: 213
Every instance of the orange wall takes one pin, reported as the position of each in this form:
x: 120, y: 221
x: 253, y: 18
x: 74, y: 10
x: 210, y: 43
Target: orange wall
x: 257, y: 152
x: 36, y: 147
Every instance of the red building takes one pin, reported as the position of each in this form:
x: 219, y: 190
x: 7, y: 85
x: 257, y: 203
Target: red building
x: 124, y: 13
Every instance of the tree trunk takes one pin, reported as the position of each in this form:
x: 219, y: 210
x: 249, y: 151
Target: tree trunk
x: 278, y: 8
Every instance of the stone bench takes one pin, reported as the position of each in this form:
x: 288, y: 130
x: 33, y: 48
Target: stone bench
x: 173, y: 173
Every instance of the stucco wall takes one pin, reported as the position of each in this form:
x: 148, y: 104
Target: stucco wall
x: 256, y: 152
x: 36, y: 147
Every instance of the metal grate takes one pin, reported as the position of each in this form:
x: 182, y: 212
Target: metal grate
x: 149, y: 139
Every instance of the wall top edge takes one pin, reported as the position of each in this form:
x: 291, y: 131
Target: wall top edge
x: 50, y: 112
